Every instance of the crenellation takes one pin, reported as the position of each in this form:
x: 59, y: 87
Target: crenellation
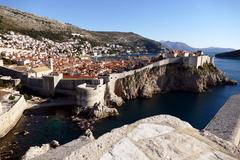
x: 48, y: 84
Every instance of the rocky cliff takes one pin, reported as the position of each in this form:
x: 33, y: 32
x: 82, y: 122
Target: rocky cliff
x: 168, y: 78
x: 150, y: 81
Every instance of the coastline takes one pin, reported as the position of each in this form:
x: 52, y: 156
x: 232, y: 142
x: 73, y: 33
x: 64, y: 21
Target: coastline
x: 149, y: 82
x: 10, y: 118
x: 166, y: 126
x: 49, y: 141
x: 100, y: 100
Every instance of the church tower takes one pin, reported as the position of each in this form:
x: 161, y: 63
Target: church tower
x: 50, y: 62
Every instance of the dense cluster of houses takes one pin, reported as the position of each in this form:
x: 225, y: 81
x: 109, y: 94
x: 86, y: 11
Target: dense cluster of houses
x: 75, y: 46
x: 70, y: 58
x: 38, y: 58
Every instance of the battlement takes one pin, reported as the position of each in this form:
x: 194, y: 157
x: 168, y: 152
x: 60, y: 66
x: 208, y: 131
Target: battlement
x: 92, y: 90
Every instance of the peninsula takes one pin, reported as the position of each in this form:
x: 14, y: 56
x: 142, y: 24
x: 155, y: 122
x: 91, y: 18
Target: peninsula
x: 72, y: 66
x: 98, y: 72
x: 229, y: 55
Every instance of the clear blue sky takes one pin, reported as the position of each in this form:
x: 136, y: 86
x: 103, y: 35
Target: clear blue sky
x: 200, y: 23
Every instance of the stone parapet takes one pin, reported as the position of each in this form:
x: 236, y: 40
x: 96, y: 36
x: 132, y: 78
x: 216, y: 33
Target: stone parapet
x: 157, y: 138
x: 226, y: 123
x: 10, y: 118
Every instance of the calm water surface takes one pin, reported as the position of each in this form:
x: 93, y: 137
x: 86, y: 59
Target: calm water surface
x: 43, y: 125
x: 197, y: 109
x: 54, y: 124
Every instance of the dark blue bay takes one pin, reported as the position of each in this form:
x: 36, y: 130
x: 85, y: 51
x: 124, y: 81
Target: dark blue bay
x: 197, y: 109
x: 45, y: 125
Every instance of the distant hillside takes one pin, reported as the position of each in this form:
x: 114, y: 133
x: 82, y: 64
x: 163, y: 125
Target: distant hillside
x: 183, y: 46
x: 177, y: 46
x: 37, y: 27
x: 229, y: 55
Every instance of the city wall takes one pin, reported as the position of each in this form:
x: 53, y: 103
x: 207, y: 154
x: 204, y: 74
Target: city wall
x: 88, y: 95
x: 10, y: 72
x: 9, y: 119
x: 226, y: 123
x: 49, y: 85
x: 86, y: 90
x: 156, y: 64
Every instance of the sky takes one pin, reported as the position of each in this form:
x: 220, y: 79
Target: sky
x: 199, y: 23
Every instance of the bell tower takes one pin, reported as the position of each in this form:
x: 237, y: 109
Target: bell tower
x: 50, y: 62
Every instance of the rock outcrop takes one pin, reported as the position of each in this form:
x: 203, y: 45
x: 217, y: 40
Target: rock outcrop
x: 98, y: 111
x: 36, y: 151
x: 161, y: 137
x: 62, y: 151
x: 173, y: 77
x: 152, y: 80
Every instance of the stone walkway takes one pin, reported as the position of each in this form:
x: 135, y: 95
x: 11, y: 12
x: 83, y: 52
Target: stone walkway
x: 158, y: 138
x: 226, y: 123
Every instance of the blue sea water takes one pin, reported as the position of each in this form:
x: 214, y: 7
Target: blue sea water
x: 55, y: 124
x: 197, y: 109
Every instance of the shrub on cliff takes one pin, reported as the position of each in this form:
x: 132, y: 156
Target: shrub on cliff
x: 208, y: 68
x: 27, y: 96
x: 5, y: 84
x: 8, y: 61
x: 25, y: 91
x: 11, y: 97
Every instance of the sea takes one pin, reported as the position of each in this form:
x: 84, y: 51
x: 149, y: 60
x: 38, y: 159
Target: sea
x: 45, y: 125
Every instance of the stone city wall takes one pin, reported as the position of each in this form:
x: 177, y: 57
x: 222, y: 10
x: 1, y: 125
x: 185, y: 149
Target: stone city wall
x: 156, y: 64
x: 48, y: 85
x: 9, y: 119
x: 226, y: 123
x: 88, y: 95
x: 35, y: 83
x: 68, y: 86
x: 71, y: 84
x: 10, y: 72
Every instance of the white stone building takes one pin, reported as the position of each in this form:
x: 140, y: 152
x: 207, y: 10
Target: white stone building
x: 197, y: 61
x: 1, y: 62
x: 38, y: 72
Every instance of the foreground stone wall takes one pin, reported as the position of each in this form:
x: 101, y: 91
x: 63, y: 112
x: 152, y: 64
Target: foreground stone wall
x: 9, y: 119
x: 161, y: 137
x: 226, y: 123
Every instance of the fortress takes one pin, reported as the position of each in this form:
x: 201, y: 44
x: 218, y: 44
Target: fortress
x: 89, y: 91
